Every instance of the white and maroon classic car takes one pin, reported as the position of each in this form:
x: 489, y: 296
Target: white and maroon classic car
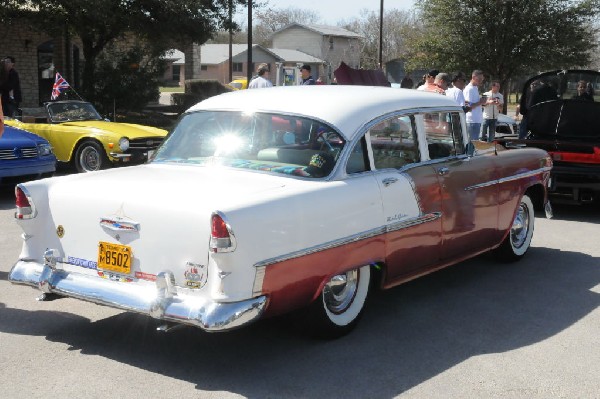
x: 262, y: 202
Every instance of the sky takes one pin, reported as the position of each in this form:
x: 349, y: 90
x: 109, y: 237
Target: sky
x: 332, y: 11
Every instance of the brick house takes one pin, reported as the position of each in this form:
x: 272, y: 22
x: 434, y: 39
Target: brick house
x: 38, y: 56
x: 283, y: 63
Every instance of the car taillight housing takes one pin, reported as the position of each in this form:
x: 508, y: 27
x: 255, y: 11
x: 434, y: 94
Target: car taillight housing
x: 222, y: 238
x: 25, y: 208
x: 576, y: 157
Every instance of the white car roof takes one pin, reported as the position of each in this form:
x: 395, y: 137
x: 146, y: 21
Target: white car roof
x: 345, y: 107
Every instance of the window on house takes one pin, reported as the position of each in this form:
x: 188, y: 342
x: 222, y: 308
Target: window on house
x: 238, y: 67
x: 176, y: 73
x: 331, y: 43
x: 204, y: 67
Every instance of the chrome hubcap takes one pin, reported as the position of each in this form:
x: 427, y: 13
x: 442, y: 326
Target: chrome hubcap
x: 340, y: 291
x: 89, y: 159
x: 520, y: 227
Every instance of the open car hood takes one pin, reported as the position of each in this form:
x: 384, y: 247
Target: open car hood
x: 555, y: 111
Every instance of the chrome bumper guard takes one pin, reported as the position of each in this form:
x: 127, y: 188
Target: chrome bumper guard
x: 160, y: 302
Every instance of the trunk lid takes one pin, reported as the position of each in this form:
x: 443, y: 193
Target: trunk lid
x: 157, y: 210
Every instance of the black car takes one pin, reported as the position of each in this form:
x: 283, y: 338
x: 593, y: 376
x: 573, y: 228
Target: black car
x: 561, y: 114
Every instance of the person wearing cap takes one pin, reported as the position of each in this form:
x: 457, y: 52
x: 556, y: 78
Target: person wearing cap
x: 307, y: 79
x: 429, y: 79
x: 261, y: 80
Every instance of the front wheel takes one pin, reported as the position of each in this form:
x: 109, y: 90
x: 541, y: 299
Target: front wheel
x: 518, y: 240
x: 90, y: 156
x: 338, y: 308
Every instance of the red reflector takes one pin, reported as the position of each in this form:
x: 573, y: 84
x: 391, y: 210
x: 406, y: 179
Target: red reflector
x: 218, y: 227
x: 21, y: 198
x: 577, y: 157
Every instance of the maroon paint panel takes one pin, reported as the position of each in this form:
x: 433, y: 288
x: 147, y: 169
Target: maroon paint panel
x: 295, y: 283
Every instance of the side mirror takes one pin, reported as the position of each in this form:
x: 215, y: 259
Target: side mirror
x: 470, y: 149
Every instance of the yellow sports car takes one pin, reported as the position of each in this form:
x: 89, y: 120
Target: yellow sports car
x: 79, y: 135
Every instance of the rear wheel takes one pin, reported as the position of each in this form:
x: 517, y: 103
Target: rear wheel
x: 90, y: 156
x: 339, y: 307
x: 518, y: 240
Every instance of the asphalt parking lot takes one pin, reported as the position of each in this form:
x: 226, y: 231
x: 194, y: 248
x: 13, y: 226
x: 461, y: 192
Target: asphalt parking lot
x: 480, y: 329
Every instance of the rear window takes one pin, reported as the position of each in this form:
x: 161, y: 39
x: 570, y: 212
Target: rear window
x: 265, y: 142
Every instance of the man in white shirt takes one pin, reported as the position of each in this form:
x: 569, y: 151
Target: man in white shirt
x: 491, y: 109
x: 261, y: 80
x: 459, y: 80
x: 474, y: 101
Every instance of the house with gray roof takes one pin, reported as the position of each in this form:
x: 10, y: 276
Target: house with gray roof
x: 284, y: 64
x: 331, y: 44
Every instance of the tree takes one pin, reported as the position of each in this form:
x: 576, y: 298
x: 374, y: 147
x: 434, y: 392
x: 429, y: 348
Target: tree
x: 505, y: 38
x: 398, y: 25
x: 158, y: 23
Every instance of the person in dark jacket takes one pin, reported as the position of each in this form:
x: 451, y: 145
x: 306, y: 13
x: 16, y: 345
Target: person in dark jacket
x: 307, y: 78
x: 10, y: 87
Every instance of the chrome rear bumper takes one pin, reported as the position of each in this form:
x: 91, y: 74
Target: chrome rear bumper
x: 160, y: 301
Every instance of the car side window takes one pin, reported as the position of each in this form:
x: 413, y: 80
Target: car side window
x: 394, y: 142
x: 443, y: 132
x: 359, y: 160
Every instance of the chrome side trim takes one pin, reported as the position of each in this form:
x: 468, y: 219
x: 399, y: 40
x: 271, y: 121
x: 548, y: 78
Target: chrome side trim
x: 430, y: 217
x: 510, y: 178
x: 350, y: 239
x: 322, y: 247
x: 160, y: 300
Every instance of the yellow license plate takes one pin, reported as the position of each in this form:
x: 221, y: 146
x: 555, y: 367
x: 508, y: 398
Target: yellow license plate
x: 114, y: 257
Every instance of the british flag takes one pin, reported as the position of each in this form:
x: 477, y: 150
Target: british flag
x: 60, y: 85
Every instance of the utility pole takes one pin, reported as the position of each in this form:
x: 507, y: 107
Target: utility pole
x: 230, y: 40
x: 381, y: 35
x: 249, y: 68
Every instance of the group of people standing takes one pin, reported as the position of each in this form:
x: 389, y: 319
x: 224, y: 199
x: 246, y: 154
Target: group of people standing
x: 261, y: 79
x: 10, y: 86
x: 481, y: 110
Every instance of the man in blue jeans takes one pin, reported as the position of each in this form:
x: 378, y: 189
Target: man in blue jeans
x: 491, y: 109
x: 474, y: 101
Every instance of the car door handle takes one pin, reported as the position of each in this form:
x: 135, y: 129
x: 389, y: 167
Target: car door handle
x: 443, y: 171
x: 389, y: 180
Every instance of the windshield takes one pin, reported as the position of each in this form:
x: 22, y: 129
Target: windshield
x: 260, y: 141
x: 72, y: 111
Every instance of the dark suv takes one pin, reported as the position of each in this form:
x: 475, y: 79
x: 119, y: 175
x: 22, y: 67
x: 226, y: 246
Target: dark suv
x: 561, y: 114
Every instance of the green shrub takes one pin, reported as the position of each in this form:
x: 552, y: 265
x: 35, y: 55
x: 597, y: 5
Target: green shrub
x: 197, y: 90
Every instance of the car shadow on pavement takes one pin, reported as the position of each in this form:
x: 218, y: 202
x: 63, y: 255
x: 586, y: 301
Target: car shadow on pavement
x: 589, y: 213
x: 408, y: 334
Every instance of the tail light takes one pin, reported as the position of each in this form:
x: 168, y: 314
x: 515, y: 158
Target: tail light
x: 221, y: 235
x: 25, y: 208
x: 577, y: 157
